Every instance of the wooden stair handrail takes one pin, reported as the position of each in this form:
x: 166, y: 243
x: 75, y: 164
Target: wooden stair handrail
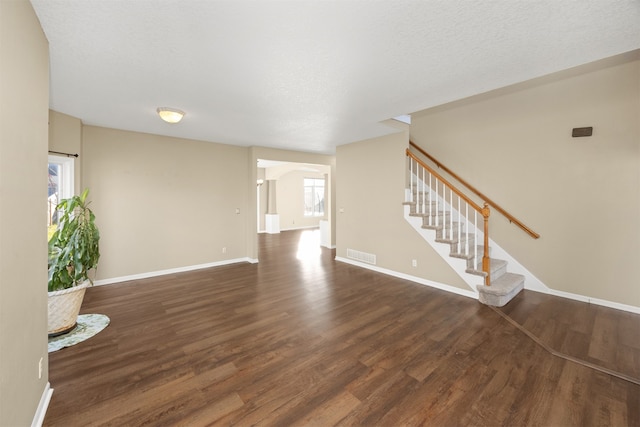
x: 463, y: 196
x: 491, y: 203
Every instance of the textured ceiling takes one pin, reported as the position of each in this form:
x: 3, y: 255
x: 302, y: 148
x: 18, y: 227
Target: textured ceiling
x: 308, y: 75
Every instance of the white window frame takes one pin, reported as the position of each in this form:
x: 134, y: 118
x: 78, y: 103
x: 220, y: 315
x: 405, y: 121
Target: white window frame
x: 67, y: 186
x: 314, y: 213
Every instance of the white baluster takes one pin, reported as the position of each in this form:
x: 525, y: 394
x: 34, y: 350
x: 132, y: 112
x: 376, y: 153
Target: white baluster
x: 423, y: 195
x: 410, y: 179
x: 430, y: 200
x: 418, y: 167
x: 459, y: 225
x: 450, y: 213
x: 475, y: 239
x: 415, y: 190
x: 437, y: 197
x: 466, y: 228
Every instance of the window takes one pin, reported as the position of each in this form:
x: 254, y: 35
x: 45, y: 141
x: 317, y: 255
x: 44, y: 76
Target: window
x: 313, y: 197
x: 60, y: 184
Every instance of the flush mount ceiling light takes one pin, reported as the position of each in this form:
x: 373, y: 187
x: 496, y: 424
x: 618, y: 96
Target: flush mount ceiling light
x: 170, y: 115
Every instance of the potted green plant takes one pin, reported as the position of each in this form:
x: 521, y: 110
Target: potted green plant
x: 73, y: 256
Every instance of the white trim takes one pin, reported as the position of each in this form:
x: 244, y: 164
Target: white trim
x: 305, y: 227
x: 172, y: 271
x: 272, y: 223
x: 458, y: 291
x: 67, y: 181
x: 596, y: 301
x: 531, y: 281
x: 38, y: 417
x: 420, y: 280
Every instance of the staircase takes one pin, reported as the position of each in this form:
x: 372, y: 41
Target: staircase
x: 451, y: 218
x: 504, y: 286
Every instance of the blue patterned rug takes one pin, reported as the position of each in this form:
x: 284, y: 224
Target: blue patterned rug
x: 87, y: 326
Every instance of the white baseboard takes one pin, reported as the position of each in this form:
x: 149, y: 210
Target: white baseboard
x: 306, y: 227
x: 38, y: 418
x: 531, y: 281
x: 289, y: 229
x: 596, y: 301
x: 470, y: 294
x: 420, y: 280
x: 172, y: 271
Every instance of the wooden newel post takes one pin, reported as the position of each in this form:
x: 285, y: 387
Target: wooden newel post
x: 486, y: 263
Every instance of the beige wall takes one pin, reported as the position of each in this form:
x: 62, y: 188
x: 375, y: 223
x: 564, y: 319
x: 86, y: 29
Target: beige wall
x: 290, y: 200
x: 24, y: 99
x: 65, y: 136
x: 581, y: 194
x: 163, y: 203
x: 370, y: 192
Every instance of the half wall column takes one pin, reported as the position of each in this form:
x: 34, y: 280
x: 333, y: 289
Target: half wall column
x: 272, y: 219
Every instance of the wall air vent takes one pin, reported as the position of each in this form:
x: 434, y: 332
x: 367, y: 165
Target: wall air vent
x: 578, y: 132
x: 361, y: 256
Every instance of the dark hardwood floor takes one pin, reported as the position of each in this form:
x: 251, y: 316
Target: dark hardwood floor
x: 300, y: 339
x: 595, y: 335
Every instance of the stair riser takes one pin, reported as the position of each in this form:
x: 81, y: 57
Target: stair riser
x: 460, y: 245
x: 501, y: 291
x: 464, y: 255
x: 447, y: 232
x: 442, y: 216
x: 442, y: 230
x: 496, y: 271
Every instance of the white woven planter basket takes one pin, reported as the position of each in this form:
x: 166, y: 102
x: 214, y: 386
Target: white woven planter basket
x: 64, y: 307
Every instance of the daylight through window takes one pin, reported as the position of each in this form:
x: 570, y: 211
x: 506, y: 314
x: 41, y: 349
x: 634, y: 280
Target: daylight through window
x: 60, y: 185
x: 313, y: 197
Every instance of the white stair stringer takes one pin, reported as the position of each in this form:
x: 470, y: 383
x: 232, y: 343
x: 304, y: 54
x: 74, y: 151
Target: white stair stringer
x: 531, y: 282
x: 459, y: 265
x: 493, y: 295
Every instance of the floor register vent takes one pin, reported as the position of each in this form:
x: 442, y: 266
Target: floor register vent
x: 361, y: 256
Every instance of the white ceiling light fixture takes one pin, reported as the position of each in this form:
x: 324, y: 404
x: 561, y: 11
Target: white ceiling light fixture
x: 170, y: 115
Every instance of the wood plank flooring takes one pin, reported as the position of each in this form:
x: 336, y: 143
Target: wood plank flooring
x: 302, y: 340
x: 594, y: 334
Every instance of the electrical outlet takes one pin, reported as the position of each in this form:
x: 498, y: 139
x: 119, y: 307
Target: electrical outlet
x: 224, y: 250
x: 40, y: 368
x: 414, y: 263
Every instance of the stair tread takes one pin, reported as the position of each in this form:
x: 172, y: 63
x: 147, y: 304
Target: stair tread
x: 503, y: 285
x: 447, y: 233
x: 445, y: 225
x: 471, y: 254
x: 433, y: 214
x: 495, y: 264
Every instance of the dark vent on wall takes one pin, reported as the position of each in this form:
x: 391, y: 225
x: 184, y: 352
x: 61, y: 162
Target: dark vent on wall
x: 578, y: 132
